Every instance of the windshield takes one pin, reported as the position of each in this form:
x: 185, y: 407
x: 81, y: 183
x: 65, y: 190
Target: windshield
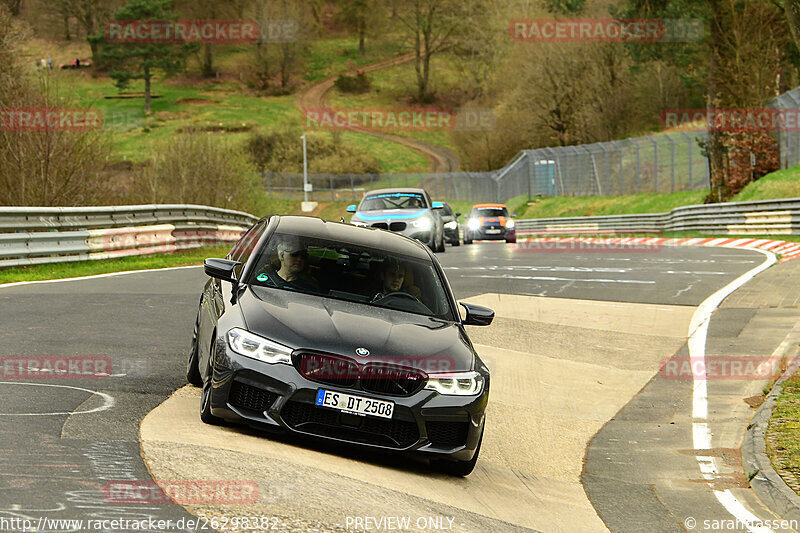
x: 353, y: 273
x: 395, y: 200
x: 490, y: 212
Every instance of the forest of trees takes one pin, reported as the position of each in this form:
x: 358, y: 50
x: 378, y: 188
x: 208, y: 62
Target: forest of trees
x: 543, y: 94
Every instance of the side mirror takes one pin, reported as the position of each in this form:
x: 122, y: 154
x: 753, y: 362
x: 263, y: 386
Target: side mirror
x: 351, y: 208
x: 477, y: 315
x: 458, y: 215
x: 437, y: 205
x: 221, y: 269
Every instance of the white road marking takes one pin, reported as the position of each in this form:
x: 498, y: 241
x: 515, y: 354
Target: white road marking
x: 95, y: 276
x: 108, y: 400
x: 550, y: 278
x: 701, y: 434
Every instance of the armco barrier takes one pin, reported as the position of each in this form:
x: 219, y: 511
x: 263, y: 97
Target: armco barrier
x: 35, y: 235
x: 765, y: 217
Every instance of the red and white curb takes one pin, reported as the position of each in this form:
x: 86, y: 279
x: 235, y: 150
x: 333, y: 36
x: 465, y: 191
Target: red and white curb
x: 786, y: 249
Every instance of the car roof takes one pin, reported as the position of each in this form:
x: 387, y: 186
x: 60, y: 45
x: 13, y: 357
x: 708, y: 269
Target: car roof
x: 397, y: 189
x: 479, y: 206
x: 388, y: 241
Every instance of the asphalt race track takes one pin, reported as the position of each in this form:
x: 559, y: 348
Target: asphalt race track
x: 584, y: 431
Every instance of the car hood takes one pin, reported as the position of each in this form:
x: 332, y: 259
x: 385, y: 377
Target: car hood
x: 390, y: 214
x: 308, y: 322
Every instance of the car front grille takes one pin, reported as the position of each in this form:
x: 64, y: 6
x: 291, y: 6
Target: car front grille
x: 391, y: 379
x: 447, y: 434
x: 330, y: 369
x: 397, y: 226
x: 250, y: 398
x: 381, y: 225
x: 308, y: 418
x: 377, y: 377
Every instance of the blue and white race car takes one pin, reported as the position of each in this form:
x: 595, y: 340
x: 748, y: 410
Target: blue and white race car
x: 410, y: 212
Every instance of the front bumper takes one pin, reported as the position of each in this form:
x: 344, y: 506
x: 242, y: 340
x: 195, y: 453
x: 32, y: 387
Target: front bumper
x: 404, y: 228
x: 488, y: 234
x: 270, y: 396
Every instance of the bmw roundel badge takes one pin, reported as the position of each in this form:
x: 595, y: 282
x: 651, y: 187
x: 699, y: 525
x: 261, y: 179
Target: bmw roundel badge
x: 363, y: 352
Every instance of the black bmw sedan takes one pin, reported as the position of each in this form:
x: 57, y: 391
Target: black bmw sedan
x: 344, y: 333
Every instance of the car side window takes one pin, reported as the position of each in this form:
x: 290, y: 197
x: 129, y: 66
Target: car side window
x: 244, y: 248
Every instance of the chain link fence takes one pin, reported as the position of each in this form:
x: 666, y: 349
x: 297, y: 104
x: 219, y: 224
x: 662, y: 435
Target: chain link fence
x: 659, y: 163
x: 788, y: 140
x: 454, y: 186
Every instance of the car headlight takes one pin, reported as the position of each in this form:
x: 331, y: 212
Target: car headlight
x: 250, y: 345
x: 423, y: 223
x: 358, y: 223
x: 451, y: 225
x: 456, y: 383
x: 510, y: 224
x: 473, y: 224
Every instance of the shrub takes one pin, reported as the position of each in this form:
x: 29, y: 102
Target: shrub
x: 200, y: 168
x: 357, y: 84
x: 282, y: 151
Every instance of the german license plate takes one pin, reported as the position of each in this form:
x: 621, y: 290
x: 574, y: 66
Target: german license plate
x: 359, y: 405
x: 493, y: 231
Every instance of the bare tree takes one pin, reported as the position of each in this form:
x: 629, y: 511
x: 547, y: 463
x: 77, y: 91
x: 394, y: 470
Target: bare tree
x: 430, y: 25
x: 42, y: 166
x: 90, y: 14
x: 14, y: 6
x: 210, y: 9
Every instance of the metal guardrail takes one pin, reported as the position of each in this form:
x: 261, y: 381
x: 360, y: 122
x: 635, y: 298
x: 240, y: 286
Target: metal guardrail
x: 764, y: 217
x: 64, y: 218
x: 36, y: 235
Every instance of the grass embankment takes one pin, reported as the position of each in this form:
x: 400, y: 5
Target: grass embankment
x: 780, y: 184
x: 783, y: 433
x: 586, y: 206
x: 88, y: 268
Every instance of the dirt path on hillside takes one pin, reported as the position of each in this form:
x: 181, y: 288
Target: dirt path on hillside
x: 441, y: 159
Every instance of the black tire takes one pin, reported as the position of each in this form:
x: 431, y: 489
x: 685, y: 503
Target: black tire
x: 442, y: 244
x: 192, y: 370
x: 205, y: 400
x: 456, y: 242
x: 459, y: 468
x: 467, y: 241
x: 511, y: 241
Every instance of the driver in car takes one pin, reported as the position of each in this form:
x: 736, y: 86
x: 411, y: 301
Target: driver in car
x: 293, y: 257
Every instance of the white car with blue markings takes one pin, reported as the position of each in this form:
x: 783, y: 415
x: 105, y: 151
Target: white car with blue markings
x: 410, y: 212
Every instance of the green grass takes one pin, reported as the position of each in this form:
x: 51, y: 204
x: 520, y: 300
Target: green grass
x: 780, y: 184
x: 224, y: 104
x: 673, y: 235
x: 610, y: 205
x: 783, y: 433
x: 392, y: 89
x: 338, y: 54
x: 88, y: 268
